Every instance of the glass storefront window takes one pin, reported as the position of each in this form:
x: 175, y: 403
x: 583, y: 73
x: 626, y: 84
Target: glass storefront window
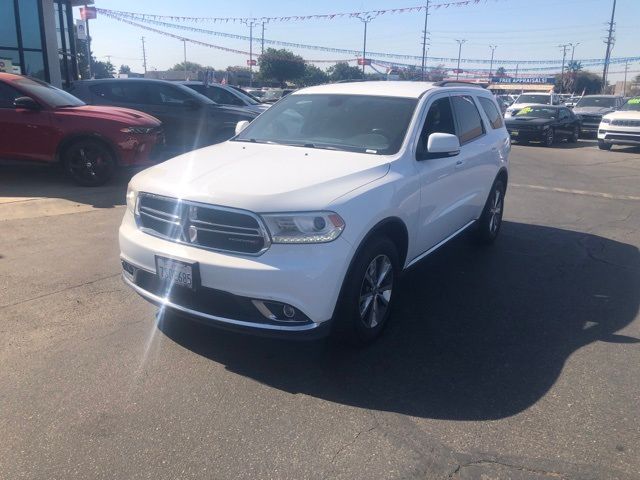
x: 29, y: 24
x: 10, y: 61
x: 34, y: 65
x: 8, y: 32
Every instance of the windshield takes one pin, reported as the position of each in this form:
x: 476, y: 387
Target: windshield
x: 245, y: 97
x: 361, y: 123
x: 272, y: 95
x: 532, y: 98
x: 52, y: 96
x: 596, y: 102
x: 632, y: 105
x: 540, y: 112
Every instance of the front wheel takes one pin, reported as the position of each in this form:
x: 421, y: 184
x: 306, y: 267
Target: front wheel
x: 490, y: 221
x: 549, y: 138
x: 88, y: 162
x: 604, y: 146
x: 367, y: 295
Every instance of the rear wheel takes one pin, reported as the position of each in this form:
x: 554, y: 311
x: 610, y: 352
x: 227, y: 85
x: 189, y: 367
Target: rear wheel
x: 367, y: 295
x: 490, y: 221
x: 88, y: 162
x: 604, y: 146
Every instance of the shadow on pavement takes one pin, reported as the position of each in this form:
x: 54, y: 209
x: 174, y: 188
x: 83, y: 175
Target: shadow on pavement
x: 477, y: 333
x: 35, y: 181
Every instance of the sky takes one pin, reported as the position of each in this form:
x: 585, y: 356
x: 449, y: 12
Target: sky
x: 521, y: 29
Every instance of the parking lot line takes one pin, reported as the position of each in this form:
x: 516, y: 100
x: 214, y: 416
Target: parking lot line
x: 576, y: 192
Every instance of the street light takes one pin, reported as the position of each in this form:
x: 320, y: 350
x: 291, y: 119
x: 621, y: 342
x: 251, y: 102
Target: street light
x: 460, y: 42
x: 493, y: 49
x: 365, y: 19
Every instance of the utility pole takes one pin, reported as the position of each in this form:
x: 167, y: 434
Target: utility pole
x: 571, y: 65
x: 366, y: 19
x: 564, y: 57
x: 493, y: 49
x: 262, y: 41
x: 609, y: 43
x: 184, y: 44
x: 517, y: 67
x: 424, y: 39
x: 251, y: 23
x: 144, y: 56
x: 460, y: 42
x: 624, y: 83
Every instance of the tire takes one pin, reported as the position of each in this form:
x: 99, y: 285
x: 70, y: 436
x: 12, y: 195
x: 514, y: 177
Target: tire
x: 604, y: 146
x: 573, y: 138
x: 490, y: 221
x: 359, y: 321
x: 88, y: 162
x: 549, y: 138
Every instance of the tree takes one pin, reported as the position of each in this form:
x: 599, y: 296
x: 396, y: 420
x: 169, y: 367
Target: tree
x: 103, y: 69
x: 634, y: 88
x: 410, y: 73
x: 501, y: 72
x: 314, y: 76
x: 124, y: 69
x: 191, y: 67
x: 281, y: 65
x: 585, y: 81
x: 437, y: 74
x: 343, y: 71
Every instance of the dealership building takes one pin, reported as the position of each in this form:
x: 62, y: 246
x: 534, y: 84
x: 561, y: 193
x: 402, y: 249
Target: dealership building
x: 37, y: 39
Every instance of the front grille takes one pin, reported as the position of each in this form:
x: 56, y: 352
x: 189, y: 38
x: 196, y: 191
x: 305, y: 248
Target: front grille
x: 590, y: 118
x: 626, y: 123
x: 205, y: 226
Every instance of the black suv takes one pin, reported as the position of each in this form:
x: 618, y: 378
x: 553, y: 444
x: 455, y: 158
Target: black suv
x: 190, y: 120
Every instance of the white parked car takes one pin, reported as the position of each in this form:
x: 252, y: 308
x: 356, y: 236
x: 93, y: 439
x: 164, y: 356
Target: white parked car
x: 528, y: 99
x: 621, y: 127
x: 302, y: 227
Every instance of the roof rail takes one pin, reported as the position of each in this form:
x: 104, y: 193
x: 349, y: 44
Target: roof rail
x: 459, y: 83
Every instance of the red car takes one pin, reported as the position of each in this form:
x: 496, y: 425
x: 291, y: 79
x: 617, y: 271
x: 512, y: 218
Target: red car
x: 39, y: 122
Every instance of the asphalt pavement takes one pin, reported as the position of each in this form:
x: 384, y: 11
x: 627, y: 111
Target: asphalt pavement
x: 518, y: 361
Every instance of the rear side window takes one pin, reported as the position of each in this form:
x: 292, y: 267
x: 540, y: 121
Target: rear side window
x: 222, y: 96
x: 120, y: 92
x: 469, y: 121
x: 161, y: 94
x: 494, y: 116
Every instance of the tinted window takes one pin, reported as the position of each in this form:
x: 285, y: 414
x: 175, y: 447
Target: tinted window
x: 47, y: 93
x: 359, y: 123
x: 494, y: 116
x: 220, y: 95
x: 34, y: 64
x: 593, y: 101
x: 7, y: 95
x: 167, y: 95
x: 8, y: 35
x: 439, y: 120
x: 121, y: 92
x: 469, y: 121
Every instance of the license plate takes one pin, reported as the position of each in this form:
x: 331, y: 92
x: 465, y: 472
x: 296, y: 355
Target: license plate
x: 514, y: 133
x: 175, y: 272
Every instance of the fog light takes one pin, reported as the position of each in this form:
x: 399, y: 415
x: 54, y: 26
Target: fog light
x: 288, y: 311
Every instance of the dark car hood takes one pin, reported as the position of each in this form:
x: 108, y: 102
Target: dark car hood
x: 232, y: 109
x: 124, y: 115
x: 528, y: 121
x: 592, y: 110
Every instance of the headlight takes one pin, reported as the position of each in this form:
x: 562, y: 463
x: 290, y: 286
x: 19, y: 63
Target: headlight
x: 606, y: 120
x: 138, y: 130
x: 132, y: 197
x: 308, y: 227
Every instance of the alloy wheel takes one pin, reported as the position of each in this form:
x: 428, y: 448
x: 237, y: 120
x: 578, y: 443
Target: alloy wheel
x: 375, y: 292
x: 495, y: 212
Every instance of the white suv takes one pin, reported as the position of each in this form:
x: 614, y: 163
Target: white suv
x: 528, y: 99
x: 621, y: 127
x: 303, y: 221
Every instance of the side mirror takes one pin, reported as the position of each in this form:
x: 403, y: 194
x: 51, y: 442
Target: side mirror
x: 240, y: 126
x: 191, y: 104
x: 26, y: 103
x: 442, y: 145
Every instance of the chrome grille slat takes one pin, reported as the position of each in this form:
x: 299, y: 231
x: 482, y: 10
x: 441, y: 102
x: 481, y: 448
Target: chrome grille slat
x: 181, y: 221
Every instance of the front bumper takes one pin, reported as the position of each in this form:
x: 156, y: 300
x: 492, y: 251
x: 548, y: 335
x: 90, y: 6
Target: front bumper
x: 306, y: 277
x: 528, y: 135
x: 619, y: 135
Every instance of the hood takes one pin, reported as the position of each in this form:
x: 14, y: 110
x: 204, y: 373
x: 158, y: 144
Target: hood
x: 624, y: 115
x: 518, y: 106
x: 262, y: 177
x: 592, y: 110
x: 528, y: 121
x: 234, y: 110
x: 123, y: 115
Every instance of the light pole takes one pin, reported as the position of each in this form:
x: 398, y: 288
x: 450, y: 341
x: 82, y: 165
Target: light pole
x: 460, y: 42
x: 251, y: 23
x: 493, y: 49
x: 424, y: 39
x: 184, y: 44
